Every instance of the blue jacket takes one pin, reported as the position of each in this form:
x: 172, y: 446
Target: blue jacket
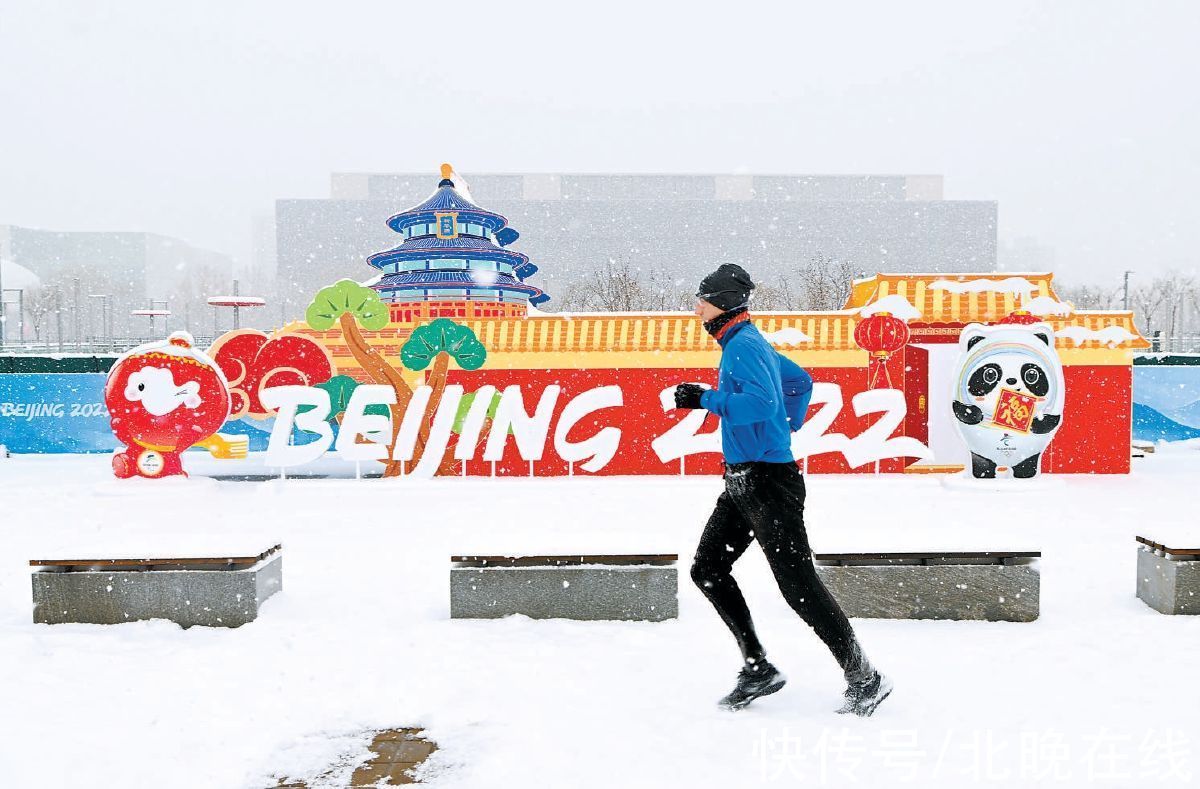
x: 761, y: 397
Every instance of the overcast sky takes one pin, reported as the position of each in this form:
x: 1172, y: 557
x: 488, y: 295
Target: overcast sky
x: 1081, y: 118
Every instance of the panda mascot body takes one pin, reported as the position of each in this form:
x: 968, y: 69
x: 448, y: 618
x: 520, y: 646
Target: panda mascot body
x: 1008, y: 396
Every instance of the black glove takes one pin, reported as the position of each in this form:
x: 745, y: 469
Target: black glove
x: 688, y: 395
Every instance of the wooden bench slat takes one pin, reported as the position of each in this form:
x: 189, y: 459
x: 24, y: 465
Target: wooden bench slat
x: 1174, y: 551
x: 199, y: 560
x: 929, y: 555
x: 564, y: 560
x: 916, y: 557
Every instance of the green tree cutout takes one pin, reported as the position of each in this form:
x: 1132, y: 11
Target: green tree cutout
x: 436, y: 344
x: 440, y: 341
x: 340, y: 388
x: 347, y: 298
x: 350, y: 305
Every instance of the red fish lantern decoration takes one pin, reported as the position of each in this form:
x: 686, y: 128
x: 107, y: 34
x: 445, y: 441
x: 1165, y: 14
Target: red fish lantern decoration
x: 882, y: 334
x: 253, y: 361
x: 163, y: 398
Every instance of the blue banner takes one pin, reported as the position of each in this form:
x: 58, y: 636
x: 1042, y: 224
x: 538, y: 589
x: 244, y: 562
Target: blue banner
x: 1166, y: 402
x: 54, y: 412
x: 48, y: 413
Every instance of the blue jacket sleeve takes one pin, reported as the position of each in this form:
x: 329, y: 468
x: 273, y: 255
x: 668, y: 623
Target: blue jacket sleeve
x: 757, y: 399
x: 797, y: 391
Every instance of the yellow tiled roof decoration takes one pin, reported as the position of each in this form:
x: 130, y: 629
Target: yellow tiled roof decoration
x: 824, y: 338
x: 944, y: 306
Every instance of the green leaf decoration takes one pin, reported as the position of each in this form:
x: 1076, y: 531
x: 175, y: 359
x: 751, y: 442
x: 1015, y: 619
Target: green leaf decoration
x: 464, y: 406
x: 443, y: 336
x: 347, y: 296
x: 340, y: 387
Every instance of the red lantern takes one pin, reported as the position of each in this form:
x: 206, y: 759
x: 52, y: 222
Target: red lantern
x: 882, y: 334
x: 1020, y: 318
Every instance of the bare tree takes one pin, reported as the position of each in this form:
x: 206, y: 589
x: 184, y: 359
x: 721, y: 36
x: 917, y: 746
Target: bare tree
x: 664, y: 291
x: 40, y: 303
x: 823, y: 284
x: 1089, y: 297
x: 613, y: 288
x: 1156, y: 304
x: 777, y: 296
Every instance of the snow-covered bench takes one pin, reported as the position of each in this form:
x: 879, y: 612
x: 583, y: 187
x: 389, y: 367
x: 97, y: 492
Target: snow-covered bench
x: 630, y: 587
x: 1168, y: 578
x: 218, y: 591
x: 989, y: 585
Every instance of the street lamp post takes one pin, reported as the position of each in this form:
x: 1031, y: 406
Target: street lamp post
x: 105, y: 316
x: 58, y: 315
x: 237, y: 302
x: 78, y: 328
x: 153, y: 313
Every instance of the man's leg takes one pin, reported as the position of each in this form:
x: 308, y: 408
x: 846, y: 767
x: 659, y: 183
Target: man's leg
x: 772, y: 501
x: 726, y: 537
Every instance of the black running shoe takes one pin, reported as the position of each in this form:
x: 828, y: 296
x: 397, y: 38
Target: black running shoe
x: 761, y: 679
x: 863, y: 697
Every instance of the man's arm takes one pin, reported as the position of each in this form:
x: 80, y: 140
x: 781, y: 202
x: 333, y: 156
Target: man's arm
x: 755, y: 403
x: 797, y: 391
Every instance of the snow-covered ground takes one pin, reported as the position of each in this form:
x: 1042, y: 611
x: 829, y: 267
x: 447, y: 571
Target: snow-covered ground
x: 1101, y: 690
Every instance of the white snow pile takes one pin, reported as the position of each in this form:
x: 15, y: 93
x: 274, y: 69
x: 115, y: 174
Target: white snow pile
x: 1018, y: 286
x: 461, y: 186
x: 894, y: 304
x: 1047, y: 305
x: 788, y: 336
x: 360, y: 638
x: 1112, y: 335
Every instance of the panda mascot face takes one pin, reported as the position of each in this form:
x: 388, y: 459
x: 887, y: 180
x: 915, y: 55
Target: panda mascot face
x: 1008, y: 396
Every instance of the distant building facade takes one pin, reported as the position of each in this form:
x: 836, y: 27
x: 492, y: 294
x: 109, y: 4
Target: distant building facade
x: 684, y: 225
x: 132, y: 269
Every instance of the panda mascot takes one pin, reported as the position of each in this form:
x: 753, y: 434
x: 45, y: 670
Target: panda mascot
x: 1008, y: 396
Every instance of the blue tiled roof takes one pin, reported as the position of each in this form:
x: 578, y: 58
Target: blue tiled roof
x: 451, y: 279
x: 419, y: 278
x: 407, y: 251
x: 446, y: 198
x: 433, y: 242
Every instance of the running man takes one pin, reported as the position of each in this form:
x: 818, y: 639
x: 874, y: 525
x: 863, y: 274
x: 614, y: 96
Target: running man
x: 761, y: 398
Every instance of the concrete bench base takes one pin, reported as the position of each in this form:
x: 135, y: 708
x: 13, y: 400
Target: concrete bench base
x: 216, y: 597
x: 1167, y: 583
x: 1008, y: 592
x: 583, y: 591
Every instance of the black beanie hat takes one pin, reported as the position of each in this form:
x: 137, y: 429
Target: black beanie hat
x: 727, y: 287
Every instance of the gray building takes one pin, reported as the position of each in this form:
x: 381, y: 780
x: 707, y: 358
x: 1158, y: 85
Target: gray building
x: 131, y: 269
x: 684, y: 225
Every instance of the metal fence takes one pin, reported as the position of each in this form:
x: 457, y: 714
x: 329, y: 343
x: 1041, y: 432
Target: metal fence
x: 88, y: 345
x: 1160, y: 343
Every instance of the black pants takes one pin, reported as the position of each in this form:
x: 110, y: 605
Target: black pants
x: 765, y: 501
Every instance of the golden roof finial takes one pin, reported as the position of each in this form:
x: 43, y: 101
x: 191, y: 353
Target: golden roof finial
x: 447, y: 170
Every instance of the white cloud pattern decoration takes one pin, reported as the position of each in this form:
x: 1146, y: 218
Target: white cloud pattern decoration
x: 156, y: 390
x: 1045, y: 305
x: 1018, y: 286
x: 1111, y: 335
x: 895, y: 304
